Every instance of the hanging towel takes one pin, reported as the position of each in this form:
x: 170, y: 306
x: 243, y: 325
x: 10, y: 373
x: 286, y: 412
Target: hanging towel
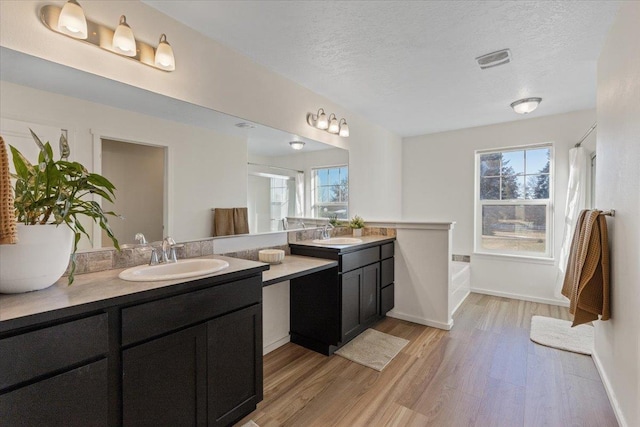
x: 240, y: 221
x: 229, y: 221
x: 8, y: 233
x: 586, y: 283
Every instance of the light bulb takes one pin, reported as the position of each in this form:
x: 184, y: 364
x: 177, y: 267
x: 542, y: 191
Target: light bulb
x: 123, y: 41
x: 72, y: 21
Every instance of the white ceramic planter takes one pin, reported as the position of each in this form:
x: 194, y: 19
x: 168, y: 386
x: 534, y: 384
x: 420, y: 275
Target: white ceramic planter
x: 357, y: 232
x: 37, y: 261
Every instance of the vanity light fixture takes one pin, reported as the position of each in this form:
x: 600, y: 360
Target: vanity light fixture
x: 297, y: 145
x: 330, y: 124
x: 71, y: 21
x: 344, y: 128
x: 334, y: 127
x: 164, y: 55
x: 525, y: 105
x: 124, y: 42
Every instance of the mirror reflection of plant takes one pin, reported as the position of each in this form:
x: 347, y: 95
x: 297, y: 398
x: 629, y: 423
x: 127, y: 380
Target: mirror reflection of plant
x: 54, y: 192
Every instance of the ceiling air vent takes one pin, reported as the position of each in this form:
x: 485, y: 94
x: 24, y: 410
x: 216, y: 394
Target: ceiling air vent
x: 494, y: 59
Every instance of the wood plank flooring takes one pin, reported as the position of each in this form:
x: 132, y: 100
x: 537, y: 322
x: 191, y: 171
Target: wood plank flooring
x: 484, y: 372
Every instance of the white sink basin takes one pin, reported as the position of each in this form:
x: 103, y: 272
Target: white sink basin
x: 338, y: 241
x: 177, y: 270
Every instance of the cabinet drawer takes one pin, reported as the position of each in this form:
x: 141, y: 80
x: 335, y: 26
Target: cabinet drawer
x: 386, y: 299
x: 386, y: 272
x: 359, y: 259
x: 29, y: 355
x: 158, y: 317
x: 386, y: 250
x: 75, y: 398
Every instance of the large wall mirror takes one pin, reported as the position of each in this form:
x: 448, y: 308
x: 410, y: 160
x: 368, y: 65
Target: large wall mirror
x: 173, y: 162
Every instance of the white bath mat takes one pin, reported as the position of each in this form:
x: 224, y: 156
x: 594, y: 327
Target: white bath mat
x: 558, y: 333
x: 373, y: 349
x: 250, y: 423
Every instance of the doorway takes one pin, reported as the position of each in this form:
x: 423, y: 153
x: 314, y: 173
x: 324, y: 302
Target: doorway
x: 138, y: 173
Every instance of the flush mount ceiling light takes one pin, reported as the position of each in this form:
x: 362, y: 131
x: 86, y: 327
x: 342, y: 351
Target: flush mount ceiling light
x: 297, y: 145
x: 526, y: 105
x: 71, y: 21
x: 330, y: 124
x: 244, y: 125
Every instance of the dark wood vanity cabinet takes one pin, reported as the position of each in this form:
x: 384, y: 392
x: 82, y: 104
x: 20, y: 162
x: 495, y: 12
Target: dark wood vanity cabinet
x: 178, y: 356
x: 330, y: 309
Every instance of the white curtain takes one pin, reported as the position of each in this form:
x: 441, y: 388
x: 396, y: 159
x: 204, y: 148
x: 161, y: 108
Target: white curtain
x: 300, y: 194
x: 577, y: 194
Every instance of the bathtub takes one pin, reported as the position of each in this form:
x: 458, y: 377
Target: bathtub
x: 459, y: 284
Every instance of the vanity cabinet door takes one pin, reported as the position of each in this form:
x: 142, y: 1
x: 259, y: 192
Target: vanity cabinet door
x: 234, y: 365
x: 75, y: 398
x: 351, y: 300
x: 369, y: 297
x: 164, y: 380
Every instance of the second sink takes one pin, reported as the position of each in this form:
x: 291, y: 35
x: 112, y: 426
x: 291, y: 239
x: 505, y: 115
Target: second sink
x: 182, y: 269
x: 338, y: 241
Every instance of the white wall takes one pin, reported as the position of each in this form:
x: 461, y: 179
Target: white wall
x: 438, y: 185
x: 211, y: 75
x: 198, y: 158
x: 617, y: 341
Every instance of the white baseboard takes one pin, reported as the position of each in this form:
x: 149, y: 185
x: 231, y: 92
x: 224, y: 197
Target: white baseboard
x: 279, y: 343
x: 460, y: 303
x: 420, y: 320
x: 520, y: 297
x: 607, y: 387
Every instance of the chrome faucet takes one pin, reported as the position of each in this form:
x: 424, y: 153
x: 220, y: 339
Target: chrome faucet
x: 140, y: 239
x: 326, y: 234
x: 169, y: 250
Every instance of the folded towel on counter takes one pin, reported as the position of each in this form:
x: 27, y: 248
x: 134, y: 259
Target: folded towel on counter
x: 230, y: 221
x: 8, y: 229
x: 586, y: 282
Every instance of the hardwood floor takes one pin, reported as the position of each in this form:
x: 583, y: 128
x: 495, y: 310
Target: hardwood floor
x: 484, y: 372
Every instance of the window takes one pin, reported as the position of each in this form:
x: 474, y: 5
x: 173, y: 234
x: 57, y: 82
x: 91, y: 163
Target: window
x: 513, y: 201
x: 330, y: 192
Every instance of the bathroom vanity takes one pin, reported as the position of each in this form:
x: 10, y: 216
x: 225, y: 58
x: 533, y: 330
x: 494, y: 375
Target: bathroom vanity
x: 109, y: 352
x: 330, y: 308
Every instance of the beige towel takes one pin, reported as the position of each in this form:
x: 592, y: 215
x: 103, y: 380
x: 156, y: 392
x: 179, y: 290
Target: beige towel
x: 229, y: 221
x: 8, y: 233
x: 240, y: 221
x: 586, y: 283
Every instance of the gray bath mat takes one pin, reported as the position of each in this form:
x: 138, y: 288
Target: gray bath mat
x: 373, y: 349
x: 558, y: 333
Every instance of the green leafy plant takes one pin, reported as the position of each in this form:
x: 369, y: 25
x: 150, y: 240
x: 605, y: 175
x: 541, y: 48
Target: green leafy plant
x: 356, y: 222
x: 333, y: 220
x: 55, y: 192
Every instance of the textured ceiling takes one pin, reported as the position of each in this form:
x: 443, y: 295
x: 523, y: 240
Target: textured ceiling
x: 410, y: 65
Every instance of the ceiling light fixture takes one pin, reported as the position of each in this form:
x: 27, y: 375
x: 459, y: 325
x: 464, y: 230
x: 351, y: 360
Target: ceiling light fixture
x: 297, y: 145
x: 124, y: 42
x: 71, y: 21
x: 330, y: 124
x: 525, y: 105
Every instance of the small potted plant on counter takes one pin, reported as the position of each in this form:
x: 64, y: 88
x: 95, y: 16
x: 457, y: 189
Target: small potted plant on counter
x: 50, y: 197
x: 356, y: 224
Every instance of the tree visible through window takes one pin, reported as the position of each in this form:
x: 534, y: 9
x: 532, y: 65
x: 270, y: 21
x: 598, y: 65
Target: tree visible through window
x: 513, y: 207
x: 330, y: 192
